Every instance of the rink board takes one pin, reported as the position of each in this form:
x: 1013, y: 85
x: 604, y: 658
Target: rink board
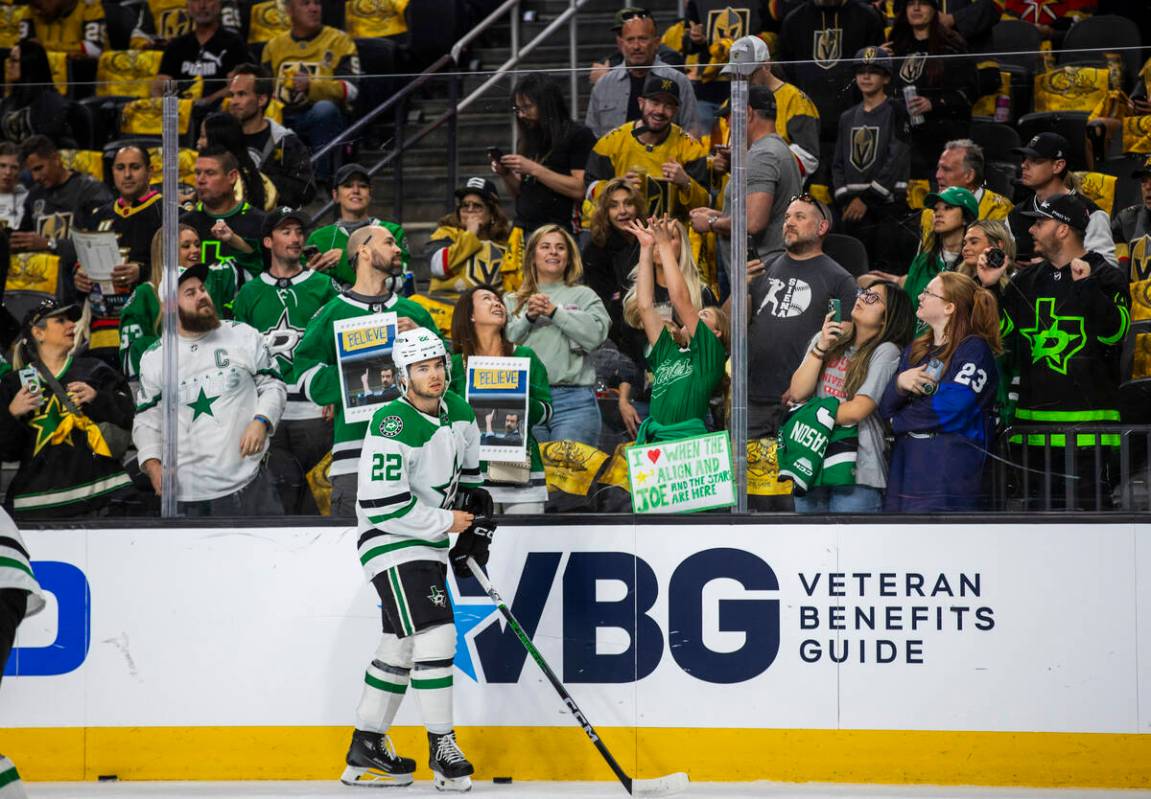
x: 1008, y: 654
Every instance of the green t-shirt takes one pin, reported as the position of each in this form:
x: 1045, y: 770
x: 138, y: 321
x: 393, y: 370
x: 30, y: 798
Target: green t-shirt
x: 684, y: 379
x: 335, y: 237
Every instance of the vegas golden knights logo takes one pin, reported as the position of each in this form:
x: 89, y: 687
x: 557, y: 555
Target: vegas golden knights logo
x: 864, y: 146
x: 1141, y: 278
x: 728, y: 23
x: 828, y: 47
x: 658, y: 193
x: 54, y: 226
x: 172, y: 22
x: 483, y: 268
x: 912, y: 67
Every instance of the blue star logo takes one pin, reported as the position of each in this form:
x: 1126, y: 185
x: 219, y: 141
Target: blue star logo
x: 468, y: 618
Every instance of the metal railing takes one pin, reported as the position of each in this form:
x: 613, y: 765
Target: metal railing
x: 397, y: 103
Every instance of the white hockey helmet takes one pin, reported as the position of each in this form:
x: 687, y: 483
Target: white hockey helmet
x: 414, y: 346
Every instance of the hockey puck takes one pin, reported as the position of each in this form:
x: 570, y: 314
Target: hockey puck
x: 502, y: 780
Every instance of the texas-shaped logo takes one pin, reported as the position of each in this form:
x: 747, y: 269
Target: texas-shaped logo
x: 1054, y: 339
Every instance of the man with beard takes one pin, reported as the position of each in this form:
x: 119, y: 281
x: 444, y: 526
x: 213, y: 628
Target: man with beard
x: 276, y: 151
x: 787, y: 306
x: 279, y: 303
x: 655, y: 155
x: 231, y: 397
x: 229, y: 229
x: 615, y: 97
x: 376, y: 258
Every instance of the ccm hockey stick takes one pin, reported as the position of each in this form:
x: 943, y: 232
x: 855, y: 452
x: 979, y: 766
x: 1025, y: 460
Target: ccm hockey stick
x: 659, y: 786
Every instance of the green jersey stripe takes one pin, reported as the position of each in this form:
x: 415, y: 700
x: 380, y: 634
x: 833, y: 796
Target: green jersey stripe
x: 1067, y: 416
x: 9, y: 776
x: 12, y: 563
x: 383, y: 517
x: 53, y: 499
x: 384, y: 686
x: 152, y: 403
x: 428, y: 685
x: 386, y: 548
x: 401, y: 600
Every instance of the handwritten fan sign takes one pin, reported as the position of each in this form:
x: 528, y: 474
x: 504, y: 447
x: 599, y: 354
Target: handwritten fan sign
x: 692, y: 474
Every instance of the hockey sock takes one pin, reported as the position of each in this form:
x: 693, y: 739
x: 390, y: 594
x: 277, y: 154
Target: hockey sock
x: 10, y: 785
x: 433, y: 651
x: 384, y: 685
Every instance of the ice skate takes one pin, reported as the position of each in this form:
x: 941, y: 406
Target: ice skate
x: 452, y: 770
x: 373, y: 762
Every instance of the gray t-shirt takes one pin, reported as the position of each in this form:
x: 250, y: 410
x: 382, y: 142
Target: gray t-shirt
x: 771, y: 169
x: 788, y: 304
x: 871, y: 465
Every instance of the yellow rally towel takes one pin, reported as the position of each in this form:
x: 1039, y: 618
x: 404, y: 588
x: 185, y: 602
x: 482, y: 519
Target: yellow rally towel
x: 1098, y: 188
x: 763, y: 469
x: 1071, y: 88
x: 143, y: 117
x: 33, y: 271
x: 571, y: 466
x: 321, y: 485
x: 127, y: 73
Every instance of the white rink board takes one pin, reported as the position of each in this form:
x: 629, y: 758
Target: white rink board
x: 275, y: 627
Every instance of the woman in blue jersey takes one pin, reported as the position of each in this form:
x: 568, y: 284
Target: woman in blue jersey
x: 940, y: 401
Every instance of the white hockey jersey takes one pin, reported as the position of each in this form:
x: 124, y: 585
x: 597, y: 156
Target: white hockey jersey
x: 410, y: 468
x: 16, y: 565
x: 227, y: 378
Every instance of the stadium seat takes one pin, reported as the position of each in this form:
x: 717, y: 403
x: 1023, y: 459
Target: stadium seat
x: 9, y: 25
x: 1072, y: 125
x: 848, y: 252
x: 1000, y: 177
x: 372, y: 19
x: 267, y: 21
x: 1100, y: 189
x: 1127, y: 189
x: 1021, y: 38
x: 90, y: 162
x: 1090, y: 40
x: 142, y: 117
x: 996, y: 140
x: 83, y: 125
x: 127, y: 73
x: 119, y: 20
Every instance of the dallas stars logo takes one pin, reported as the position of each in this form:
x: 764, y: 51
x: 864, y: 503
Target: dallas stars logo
x: 282, y: 338
x: 202, y: 406
x: 46, y: 422
x: 391, y: 426
x: 1055, y: 339
x: 438, y: 597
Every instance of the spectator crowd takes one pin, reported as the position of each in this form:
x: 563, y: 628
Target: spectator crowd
x: 948, y: 253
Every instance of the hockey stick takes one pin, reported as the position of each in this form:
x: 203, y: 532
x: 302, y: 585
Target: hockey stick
x: 659, y: 786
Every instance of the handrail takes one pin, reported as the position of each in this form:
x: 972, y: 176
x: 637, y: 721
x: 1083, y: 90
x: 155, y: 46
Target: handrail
x: 420, y: 135
x: 450, y: 57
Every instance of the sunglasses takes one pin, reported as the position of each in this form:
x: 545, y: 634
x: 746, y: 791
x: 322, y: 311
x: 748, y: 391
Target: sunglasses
x: 807, y: 198
x: 868, y: 296
x: 632, y: 13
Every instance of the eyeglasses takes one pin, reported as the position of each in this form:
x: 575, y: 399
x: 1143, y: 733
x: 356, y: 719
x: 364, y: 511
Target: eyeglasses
x: 926, y: 293
x: 807, y: 198
x: 473, y: 206
x: 868, y: 296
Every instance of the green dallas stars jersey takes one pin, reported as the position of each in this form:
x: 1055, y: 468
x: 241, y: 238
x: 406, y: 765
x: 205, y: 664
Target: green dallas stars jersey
x: 281, y: 308
x: 314, y: 368
x: 412, y: 465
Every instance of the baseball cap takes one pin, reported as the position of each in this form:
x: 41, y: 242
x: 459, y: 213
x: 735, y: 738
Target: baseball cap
x: 197, y: 270
x: 1144, y: 169
x: 49, y: 308
x: 348, y: 171
x: 873, y: 58
x: 1070, y: 209
x: 958, y: 197
x: 1047, y: 145
x: 481, y: 186
x: 656, y: 85
x: 747, y: 50
x: 626, y: 13
x: 761, y: 98
x: 279, y: 216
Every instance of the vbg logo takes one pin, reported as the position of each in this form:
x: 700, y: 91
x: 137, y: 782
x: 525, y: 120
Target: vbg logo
x: 73, y: 624
x: 502, y: 657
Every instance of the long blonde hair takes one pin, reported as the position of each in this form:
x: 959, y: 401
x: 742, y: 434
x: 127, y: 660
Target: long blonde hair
x: 26, y: 351
x: 687, y: 268
x: 999, y: 236
x: 573, y: 272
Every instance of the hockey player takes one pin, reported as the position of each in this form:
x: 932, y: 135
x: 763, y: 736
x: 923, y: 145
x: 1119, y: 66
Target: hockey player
x: 20, y: 597
x: 421, y: 455
x: 231, y: 398
x: 279, y: 304
x: 374, y: 254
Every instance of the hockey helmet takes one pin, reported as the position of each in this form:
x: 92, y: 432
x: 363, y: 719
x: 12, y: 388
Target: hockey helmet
x: 420, y: 344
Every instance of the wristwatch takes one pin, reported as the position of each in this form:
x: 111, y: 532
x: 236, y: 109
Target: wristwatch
x: 711, y: 220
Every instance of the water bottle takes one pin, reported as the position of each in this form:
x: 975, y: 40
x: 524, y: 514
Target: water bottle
x: 909, y: 94
x: 1002, y: 108
x: 96, y: 300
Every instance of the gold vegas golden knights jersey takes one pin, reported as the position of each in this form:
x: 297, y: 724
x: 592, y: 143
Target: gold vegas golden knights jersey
x: 81, y: 31
x: 370, y: 19
x: 330, y: 59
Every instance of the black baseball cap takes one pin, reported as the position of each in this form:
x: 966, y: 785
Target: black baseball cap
x: 481, y: 186
x: 626, y: 13
x: 49, y: 308
x: 1070, y: 209
x: 656, y: 85
x: 1144, y: 169
x: 868, y: 58
x: 279, y: 216
x: 348, y: 171
x: 761, y: 98
x: 1050, y: 146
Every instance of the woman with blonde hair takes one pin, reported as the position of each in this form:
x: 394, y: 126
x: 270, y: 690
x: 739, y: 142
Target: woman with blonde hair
x: 978, y: 259
x: 941, y: 399
x: 140, y: 319
x: 562, y: 321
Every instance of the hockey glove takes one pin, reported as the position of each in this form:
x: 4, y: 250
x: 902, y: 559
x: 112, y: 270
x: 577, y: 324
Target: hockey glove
x: 475, y: 501
x: 472, y: 543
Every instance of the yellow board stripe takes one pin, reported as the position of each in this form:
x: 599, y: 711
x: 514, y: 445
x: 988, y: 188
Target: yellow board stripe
x: 1087, y: 760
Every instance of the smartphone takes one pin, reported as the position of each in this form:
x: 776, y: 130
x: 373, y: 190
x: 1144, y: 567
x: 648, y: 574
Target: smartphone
x: 310, y: 252
x: 752, y: 253
x: 834, y: 307
x: 934, y: 372
x: 495, y: 154
x: 30, y: 379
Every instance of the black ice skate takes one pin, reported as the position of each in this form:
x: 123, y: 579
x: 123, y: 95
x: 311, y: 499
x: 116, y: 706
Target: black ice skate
x: 373, y: 762
x: 452, y: 770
